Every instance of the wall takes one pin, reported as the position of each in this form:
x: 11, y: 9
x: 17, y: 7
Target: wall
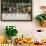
x: 26, y: 28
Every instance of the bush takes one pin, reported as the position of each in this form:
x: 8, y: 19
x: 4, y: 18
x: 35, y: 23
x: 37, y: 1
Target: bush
x: 11, y: 31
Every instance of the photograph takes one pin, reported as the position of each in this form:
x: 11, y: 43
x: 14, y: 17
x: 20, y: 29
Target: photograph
x: 16, y: 10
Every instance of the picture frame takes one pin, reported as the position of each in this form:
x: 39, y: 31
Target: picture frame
x: 17, y: 10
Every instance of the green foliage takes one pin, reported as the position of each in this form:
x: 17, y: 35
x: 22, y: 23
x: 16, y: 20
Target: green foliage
x: 11, y: 31
x: 41, y: 17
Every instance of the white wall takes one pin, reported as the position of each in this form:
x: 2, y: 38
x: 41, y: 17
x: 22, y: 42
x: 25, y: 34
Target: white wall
x: 26, y: 28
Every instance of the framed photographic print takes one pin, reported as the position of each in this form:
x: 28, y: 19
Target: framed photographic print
x: 14, y: 10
